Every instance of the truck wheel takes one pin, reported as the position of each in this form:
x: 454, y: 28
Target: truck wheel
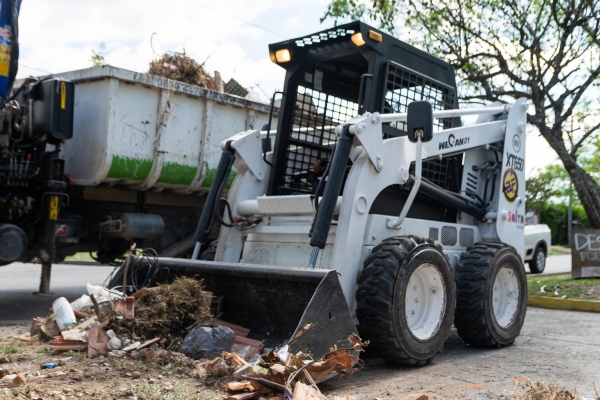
x: 405, y: 300
x: 491, y: 292
x: 538, y: 263
x: 211, y: 252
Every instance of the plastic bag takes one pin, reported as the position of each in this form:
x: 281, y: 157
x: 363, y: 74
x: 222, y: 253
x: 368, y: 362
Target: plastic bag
x: 207, y: 341
x: 101, y: 294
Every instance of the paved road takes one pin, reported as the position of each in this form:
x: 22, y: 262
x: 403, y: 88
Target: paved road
x: 556, y: 264
x: 555, y: 346
x: 18, y: 281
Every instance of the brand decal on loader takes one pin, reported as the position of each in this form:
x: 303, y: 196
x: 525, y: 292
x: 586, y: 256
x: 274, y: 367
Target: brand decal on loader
x: 510, y: 184
x: 516, y: 142
x: 512, y: 160
x: 516, y: 218
x: 454, y: 142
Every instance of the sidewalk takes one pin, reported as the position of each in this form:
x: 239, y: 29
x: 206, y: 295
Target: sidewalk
x: 561, y: 248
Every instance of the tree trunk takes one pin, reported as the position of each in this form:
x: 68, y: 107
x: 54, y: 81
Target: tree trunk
x: 587, y: 188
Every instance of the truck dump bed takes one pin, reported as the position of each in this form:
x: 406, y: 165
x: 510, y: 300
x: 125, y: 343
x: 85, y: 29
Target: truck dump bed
x: 144, y: 131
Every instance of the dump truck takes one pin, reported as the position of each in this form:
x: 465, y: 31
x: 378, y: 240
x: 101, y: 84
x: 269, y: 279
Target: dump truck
x: 142, y: 158
x: 375, y: 212
x: 133, y: 163
x: 97, y: 159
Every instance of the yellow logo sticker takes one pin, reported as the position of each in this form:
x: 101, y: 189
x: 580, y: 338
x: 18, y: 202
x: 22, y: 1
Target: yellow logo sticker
x: 510, y: 185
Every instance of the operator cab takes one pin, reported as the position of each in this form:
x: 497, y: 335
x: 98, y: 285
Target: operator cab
x: 336, y: 74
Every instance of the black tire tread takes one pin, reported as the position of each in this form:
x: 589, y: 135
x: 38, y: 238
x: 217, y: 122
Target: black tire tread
x: 470, y: 275
x: 375, y: 292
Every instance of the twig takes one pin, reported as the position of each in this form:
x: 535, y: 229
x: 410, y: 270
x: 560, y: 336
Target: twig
x: 125, y: 271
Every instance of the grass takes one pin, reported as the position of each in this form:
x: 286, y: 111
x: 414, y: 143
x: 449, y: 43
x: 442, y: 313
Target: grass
x: 76, y: 355
x: 158, y: 391
x: 7, y: 351
x: 586, y: 289
x: 556, y: 252
x: 80, y: 257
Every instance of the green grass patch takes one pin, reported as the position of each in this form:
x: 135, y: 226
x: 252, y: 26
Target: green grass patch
x: 8, y: 351
x: 158, y: 391
x: 80, y: 257
x: 556, y: 252
x: 560, y: 285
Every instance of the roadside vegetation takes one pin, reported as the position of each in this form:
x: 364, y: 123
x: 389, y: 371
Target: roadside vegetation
x: 561, y: 285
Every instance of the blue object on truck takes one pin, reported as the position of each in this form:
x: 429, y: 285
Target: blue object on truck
x: 9, y: 51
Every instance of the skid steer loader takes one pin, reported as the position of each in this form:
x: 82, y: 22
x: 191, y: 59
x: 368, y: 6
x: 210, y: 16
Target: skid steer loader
x: 373, y: 210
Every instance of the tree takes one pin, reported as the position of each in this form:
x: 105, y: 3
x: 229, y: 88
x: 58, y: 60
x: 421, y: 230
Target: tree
x: 550, y: 184
x: 547, y: 51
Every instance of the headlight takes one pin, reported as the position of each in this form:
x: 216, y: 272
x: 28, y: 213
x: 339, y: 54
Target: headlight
x: 357, y: 39
x: 283, y: 55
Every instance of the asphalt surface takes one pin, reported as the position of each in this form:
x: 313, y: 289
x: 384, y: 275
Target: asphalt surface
x: 18, y: 281
x: 555, y: 346
x: 556, y: 265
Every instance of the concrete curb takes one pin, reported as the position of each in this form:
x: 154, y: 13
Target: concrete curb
x: 564, y: 304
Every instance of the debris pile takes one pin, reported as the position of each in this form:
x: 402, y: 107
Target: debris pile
x: 174, y: 324
x: 534, y: 390
x: 182, y: 68
x: 167, y: 311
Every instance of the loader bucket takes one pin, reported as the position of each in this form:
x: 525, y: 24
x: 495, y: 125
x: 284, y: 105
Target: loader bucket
x: 277, y: 304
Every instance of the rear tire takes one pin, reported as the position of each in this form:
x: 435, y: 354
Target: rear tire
x: 405, y: 300
x: 537, y: 264
x: 491, y: 295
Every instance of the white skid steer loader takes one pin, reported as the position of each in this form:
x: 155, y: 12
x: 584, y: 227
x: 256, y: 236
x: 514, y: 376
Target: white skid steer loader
x: 374, y: 210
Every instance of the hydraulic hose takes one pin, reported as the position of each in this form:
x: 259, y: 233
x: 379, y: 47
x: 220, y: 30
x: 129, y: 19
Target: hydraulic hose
x: 332, y: 189
x: 221, y: 175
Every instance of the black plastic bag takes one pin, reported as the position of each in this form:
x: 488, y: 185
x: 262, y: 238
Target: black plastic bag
x: 207, y: 341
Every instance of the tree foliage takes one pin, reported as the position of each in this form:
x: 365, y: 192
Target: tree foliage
x: 547, y: 51
x: 548, y: 186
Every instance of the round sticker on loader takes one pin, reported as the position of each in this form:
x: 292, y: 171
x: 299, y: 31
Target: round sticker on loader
x: 510, y: 184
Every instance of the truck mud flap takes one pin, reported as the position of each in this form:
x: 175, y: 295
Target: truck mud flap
x: 302, y: 307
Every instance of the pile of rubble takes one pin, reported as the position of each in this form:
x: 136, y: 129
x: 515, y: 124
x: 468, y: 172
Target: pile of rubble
x: 175, y: 324
x: 182, y: 68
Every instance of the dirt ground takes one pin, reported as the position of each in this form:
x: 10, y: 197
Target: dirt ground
x: 98, y: 378
x: 555, y: 346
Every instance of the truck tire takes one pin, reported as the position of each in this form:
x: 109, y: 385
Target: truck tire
x: 491, y: 292
x: 211, y: 252
x: 537, y: 264
x: 405, y: 300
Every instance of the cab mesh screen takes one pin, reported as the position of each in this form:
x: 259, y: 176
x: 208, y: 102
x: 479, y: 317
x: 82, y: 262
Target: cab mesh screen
x: 313, y: 134
x: 404, y: 86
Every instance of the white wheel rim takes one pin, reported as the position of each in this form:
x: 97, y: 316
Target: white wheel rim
x: 425, y: 302
x: 540, y: 260
x: 505, y: 302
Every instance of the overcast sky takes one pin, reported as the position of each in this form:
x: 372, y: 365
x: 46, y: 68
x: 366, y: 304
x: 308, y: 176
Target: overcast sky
x: 58, y: 36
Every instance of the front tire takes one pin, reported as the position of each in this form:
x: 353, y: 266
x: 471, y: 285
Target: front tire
x: 405, y: 300
x: 538, y: 263
x: 491, y: 295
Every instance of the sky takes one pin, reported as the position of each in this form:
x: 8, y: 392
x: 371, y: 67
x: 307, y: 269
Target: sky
x: 230, y: 35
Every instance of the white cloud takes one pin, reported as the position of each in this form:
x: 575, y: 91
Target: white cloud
x: 59, y: 36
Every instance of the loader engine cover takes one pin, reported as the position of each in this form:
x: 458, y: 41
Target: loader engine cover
x: 13, y: 243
